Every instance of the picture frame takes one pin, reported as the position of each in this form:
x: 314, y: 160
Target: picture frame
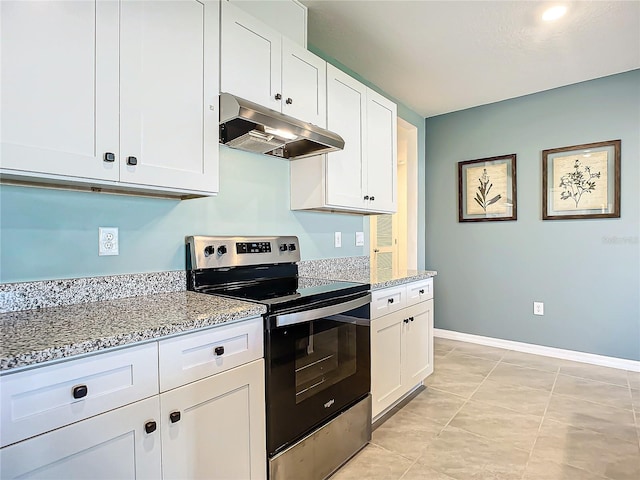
x: 581, y: 181
x: 487, y: 189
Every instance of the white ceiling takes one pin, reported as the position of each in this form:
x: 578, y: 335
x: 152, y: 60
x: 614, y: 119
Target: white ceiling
x: 442, y: 56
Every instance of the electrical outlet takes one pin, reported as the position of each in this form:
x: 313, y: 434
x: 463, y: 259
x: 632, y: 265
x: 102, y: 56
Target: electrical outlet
x: 538, y: 308
x: 359, y: 239
x: 108, y: 241
x: 338, y: 239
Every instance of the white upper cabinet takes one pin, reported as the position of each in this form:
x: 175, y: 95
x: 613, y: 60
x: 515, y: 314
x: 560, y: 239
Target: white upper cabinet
x: 260, y: 65
x: 111, y: 94
x: 289, y: 17
x: 381, y: 153
x: 60, y: 88
x: 346, y: 115
x: 304, y: 84
x: 249, y: 54
x: 168, y: 74
x: 362, y: 178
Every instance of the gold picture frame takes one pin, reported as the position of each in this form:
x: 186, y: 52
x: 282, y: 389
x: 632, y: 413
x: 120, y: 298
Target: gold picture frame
x: 581, y: 181
x: 487, y: 189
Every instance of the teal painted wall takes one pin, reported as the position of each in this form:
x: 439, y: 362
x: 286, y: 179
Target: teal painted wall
x: 49, y: 234
x: 587, y: 272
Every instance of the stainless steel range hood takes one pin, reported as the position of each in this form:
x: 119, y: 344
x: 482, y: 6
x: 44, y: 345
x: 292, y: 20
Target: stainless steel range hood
x: 248, y: 126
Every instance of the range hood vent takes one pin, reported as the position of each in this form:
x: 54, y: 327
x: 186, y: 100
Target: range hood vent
x: 248, y: 126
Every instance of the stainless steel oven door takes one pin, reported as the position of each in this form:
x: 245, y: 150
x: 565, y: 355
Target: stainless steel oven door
x: 317, y: 365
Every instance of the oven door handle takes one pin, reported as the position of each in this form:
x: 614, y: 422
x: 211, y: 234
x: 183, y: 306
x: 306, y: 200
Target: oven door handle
x: 316, y: 313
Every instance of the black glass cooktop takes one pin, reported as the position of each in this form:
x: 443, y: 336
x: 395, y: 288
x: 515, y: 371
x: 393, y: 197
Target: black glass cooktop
x: 289, y: 292
x: 277, y: 286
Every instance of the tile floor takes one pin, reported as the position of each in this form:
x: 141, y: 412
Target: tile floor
x: 489, y: 413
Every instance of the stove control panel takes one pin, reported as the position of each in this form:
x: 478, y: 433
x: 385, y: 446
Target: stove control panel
x: 253, y: 247
x: 217, y: 252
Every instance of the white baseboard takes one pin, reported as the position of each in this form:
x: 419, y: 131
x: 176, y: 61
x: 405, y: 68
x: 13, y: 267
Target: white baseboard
x: 612, y: 362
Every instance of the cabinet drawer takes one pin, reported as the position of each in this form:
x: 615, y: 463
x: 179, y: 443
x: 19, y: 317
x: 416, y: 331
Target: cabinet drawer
x: 419, y: 291
x: 387, y: 300
x: 191, y: 357
x: 39, y: 400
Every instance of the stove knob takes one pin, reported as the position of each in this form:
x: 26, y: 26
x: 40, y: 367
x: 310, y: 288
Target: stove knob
x: 209, y: 250
x: 283, y: 247
x: 222, y: 250
x: 292, y: 247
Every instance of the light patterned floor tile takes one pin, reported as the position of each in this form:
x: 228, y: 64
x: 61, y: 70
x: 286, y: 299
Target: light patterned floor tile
x: 515, y: 397
x: 481, y: 351
x: 373, y: 463
x: 527, y: 377
x: 594, y: 391
x: 463, y: 456
x: 596, y: 372
x: 610, y: 421
x: 532, y: 361
x: 455, y: 381
x: 545, y: 470
x: 422, y: 472
x: 498, y: 424
x: 587, y: 450
x: 406, y: 434
x: 435, y: 405
x: 458, y: 361
x: 478, y: 408
x: 634, y: 380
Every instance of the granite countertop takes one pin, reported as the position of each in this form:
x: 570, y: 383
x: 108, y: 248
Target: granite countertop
x: 382, y: 278
x: 30, y: 337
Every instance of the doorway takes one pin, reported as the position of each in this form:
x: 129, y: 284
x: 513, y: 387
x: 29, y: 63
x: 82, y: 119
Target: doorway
x: 394, y: 238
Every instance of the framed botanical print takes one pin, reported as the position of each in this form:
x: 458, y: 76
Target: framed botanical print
x: 581, y: 181
x: 487, y: 189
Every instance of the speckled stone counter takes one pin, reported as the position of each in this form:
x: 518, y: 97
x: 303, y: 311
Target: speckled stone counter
x: 56, y: 293
x: 357, y: 269
x: 34, y: 336
x: 383, y: 278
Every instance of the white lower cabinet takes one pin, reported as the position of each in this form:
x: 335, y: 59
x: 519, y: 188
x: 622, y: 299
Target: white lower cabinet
x: 109, y: 446
x: 103, y: 416
x: 215, y: 427
x: 401, y: 344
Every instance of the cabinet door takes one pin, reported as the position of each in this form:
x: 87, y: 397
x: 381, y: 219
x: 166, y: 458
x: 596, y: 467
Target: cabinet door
x: 109, y: 446
x: 346, y: 103
x: 169, y: 94
x: 60, y: 88
x: 418, y: 360
x: 250, y: 58
x: 386, y: 361
x: 220, y: 433
x: 382, y: 153
x: 304, y: 84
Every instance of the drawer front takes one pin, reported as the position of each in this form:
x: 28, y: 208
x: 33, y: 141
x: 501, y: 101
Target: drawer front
x: 419, y: 291
x: 387, y: 300
x: 42, y: 399
x: 191, y: 357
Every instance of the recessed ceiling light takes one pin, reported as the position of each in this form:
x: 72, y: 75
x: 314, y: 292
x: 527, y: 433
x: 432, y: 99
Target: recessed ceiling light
x: 554, y: 13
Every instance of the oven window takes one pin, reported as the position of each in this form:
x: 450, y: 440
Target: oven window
x: 324, y: 358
